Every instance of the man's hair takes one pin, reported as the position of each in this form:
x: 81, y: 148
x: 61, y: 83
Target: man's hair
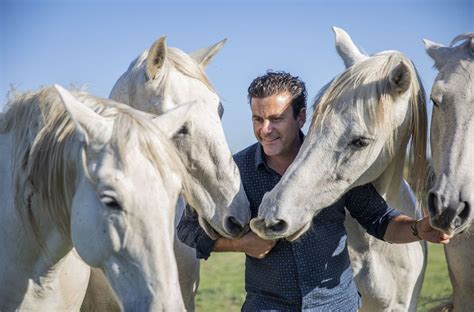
x: 278, y: 82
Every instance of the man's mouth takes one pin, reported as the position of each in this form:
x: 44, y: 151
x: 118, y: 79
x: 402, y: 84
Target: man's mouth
x: 270, y: 140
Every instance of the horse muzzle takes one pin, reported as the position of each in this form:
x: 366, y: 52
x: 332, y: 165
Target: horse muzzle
x: 449, y: 215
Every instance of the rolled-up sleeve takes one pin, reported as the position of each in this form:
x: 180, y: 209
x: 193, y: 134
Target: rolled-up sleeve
x: 190, y: 233
x: 369, y: 208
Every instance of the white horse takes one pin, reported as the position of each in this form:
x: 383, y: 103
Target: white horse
x: 162, y: 78
x: 362, y: 124
x: 91, y: 179
x: 158, y: 80
x: 452, y: 131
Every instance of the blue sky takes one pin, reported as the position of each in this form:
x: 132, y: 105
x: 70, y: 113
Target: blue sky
x: 93, y: 42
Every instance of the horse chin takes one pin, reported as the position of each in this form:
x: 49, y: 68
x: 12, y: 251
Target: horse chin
x: 209, y: 229
x: 462, y: 229
x: 448, y: 229
x: 299, y: 232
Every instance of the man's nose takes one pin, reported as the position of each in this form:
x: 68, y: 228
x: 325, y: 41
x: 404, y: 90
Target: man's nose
x: 267, y: 126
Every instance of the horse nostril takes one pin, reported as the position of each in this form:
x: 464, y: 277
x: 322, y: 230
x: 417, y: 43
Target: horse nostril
x: 432, y: 201
x: 464, y: 211
x: 233, y: 226
x: 277, y: 226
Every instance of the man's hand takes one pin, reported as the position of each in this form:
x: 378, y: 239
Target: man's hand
x: 254, y: 246
x: 427, y: 233
x: 403, y: 229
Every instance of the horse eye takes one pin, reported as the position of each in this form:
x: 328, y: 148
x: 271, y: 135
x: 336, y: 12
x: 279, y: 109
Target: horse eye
x: 220, y: 110
x: 183, y: 130
x: 435, y: 104
x: 360, y: 142
x: 110, y: 203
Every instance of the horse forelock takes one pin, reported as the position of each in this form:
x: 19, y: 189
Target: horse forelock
x: 47, y: 155
x: 365, y: 87
x: 137, y: 128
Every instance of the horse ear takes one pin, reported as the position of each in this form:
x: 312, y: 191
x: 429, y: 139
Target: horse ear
x: 400, y: 79
x: 90, y: 125
x: 438, y: 52
x: 203, y: 56
x: 174, y: 120
x: 346, y: 48
x: 156, y: 57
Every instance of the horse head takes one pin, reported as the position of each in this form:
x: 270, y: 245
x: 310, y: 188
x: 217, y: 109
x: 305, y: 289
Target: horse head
x: 451, y: 198
x: 122, y: 211
x: 362, y: 122
x: 163, y: 78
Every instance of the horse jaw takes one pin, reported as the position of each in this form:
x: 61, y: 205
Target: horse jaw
x: 216, y: 190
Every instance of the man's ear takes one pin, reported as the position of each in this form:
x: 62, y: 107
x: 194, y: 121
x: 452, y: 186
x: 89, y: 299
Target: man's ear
x: 301, y: 117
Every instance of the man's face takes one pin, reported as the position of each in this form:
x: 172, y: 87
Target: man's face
x: 274, y: 125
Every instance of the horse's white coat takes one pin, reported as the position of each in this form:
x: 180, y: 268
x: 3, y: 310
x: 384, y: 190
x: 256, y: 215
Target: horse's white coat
x: 350, y: 112
x: 100, y: 180
x: 158, y: 80
x: 162, y: 78
x: 452, y: 145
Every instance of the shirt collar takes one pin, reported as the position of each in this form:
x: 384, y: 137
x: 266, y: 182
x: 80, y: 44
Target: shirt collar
x: 260, y: 156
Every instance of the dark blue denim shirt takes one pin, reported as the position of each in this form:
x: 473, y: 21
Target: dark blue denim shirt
x: 312, y: 273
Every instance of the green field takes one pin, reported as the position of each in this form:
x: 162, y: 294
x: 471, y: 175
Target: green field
x: 222, y: 281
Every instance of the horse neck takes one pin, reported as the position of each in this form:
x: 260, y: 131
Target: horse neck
x: 120, y: 90
x: 50, y: 239
x: 43, y: 262
x: 392, y: 186
x: 43, y: 202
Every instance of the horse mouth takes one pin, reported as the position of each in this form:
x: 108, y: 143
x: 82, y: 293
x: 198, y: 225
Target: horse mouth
x: 269, y: 234
x: 299, y: 232
x: 448, y: 227
x: 210, y: 231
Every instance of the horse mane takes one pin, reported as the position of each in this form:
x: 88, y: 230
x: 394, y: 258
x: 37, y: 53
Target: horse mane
x: 365, y: 86
x: 188, y: 66
x: 466, y: 37
x: 48, y: 155
x: 175, y: 58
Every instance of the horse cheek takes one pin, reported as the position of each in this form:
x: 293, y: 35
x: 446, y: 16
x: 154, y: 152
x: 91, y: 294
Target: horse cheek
x: 88, y: 230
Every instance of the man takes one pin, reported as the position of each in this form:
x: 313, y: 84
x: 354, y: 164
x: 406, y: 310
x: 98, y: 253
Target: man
x: 313, y: 272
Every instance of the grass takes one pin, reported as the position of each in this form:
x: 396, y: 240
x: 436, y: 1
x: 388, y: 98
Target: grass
x: 222, y: 282
x: 436, y: 287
